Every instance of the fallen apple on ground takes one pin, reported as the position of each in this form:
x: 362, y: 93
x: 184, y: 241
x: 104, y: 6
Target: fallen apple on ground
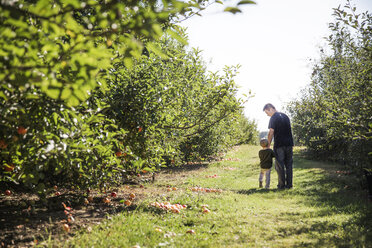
x: 128, y: 203
x: 191, y: 231
x: 205, y: 210
x: 208, y: 190
x: 66, y: 227
x: 167, y: 206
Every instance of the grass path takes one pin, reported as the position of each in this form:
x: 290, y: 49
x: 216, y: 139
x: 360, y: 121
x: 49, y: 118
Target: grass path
x: 325, y: 208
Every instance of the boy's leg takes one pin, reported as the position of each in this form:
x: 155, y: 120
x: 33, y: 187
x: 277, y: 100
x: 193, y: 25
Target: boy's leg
x: 260, y: 179
x: 267, y: 175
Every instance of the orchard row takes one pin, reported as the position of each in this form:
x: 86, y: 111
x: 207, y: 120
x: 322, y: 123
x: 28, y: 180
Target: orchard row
x: 158, y: 113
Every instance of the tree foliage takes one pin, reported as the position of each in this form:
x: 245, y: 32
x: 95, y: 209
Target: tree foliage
x: 93, y: 92
x: 333, y: 116
x: 64, y: 47
x: 172, y: 107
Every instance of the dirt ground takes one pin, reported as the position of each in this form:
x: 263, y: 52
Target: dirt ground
x: 25, y: 220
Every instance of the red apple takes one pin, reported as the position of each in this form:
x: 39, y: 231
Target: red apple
x: 21, y: 130
x: 9, y: 167
x: 8, y: 192
x: 3, y: 144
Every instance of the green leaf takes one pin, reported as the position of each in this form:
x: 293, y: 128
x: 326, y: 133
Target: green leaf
x: 176, y: 36
x: 32, y: 96
x: 155, y: 49
x: 148, y: 169
x: 2, y: 95
x: 53, y: 92
x: 42, y: 6
x: 73, y: 101
x: 246, y: 2
x: 128, y: 62
x: 55, y: 118
x: 66, y: 93
x: 157, y: 29
x: 233, y: 10
x: 74, y: 3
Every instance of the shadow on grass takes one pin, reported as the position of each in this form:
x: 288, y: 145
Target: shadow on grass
x: 21, y: 223
x: 332, y: 194
x: 257, y: 190
x: 185, y: 167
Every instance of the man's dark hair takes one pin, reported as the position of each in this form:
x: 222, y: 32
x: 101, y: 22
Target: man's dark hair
x: 268, y: 106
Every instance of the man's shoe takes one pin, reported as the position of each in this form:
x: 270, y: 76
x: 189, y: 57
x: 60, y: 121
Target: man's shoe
x: 260, y: 185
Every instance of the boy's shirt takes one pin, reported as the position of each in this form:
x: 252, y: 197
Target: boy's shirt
x: 266, y: 158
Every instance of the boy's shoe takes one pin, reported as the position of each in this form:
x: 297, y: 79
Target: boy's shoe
x: 260, y: 185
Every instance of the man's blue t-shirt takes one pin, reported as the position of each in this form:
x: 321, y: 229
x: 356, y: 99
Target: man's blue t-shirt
x: 282, y: 130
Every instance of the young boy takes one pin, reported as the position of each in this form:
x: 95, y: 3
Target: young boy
x: 266, y: 162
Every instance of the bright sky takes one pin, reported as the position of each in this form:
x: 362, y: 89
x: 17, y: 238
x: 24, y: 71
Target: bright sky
x: 272, y: 41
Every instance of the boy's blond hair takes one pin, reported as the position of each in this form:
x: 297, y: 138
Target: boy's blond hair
x: 264, y: 142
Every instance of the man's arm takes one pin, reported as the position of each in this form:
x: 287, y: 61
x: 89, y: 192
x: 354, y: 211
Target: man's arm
x: 270, y: 136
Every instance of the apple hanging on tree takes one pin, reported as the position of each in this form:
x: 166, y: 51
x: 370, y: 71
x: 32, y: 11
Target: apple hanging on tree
x: 21, y: 130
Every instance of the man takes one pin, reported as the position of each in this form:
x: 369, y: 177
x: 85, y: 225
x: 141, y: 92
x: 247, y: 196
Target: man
x: 280, y: 130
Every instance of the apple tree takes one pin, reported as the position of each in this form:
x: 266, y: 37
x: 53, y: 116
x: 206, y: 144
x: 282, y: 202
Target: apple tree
x: 333, y: 117
x: 67, y: 69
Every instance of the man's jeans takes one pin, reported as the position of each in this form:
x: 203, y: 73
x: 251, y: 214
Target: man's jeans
x: 283, y: 166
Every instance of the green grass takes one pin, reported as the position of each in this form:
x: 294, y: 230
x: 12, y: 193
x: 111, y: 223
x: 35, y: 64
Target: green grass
x: 324, y: 209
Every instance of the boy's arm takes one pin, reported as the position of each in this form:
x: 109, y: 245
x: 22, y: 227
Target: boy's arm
x: 260, y: 155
